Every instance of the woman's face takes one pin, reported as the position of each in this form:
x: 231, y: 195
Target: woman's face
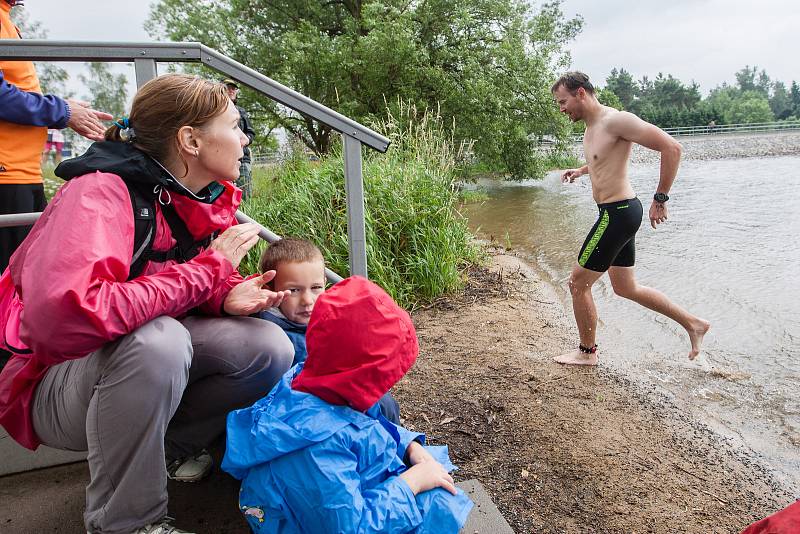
x: 220, y: 144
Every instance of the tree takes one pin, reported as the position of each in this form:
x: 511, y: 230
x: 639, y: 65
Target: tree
x: 485, y: 65
x: 794, y: 96
x: 739, y: 107
x: 780, y: 102
x: 106, y: 89
x: 621, y: 83
x: 749, y: 79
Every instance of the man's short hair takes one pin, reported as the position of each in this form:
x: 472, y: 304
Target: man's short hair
x: 289, y: 250
x: 573, y: 81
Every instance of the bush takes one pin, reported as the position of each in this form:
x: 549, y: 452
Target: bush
x: 418, y: 245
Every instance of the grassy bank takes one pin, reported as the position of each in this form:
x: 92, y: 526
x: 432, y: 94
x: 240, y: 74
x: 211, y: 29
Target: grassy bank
x: 418, y: 245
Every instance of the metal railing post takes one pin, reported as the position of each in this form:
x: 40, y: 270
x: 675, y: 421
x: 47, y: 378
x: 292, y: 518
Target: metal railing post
x: 145, y: 70
x: 354, y: 186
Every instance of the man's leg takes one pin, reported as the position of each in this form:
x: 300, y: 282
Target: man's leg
x: 116, y: 403
x: 580, y: 286
x: 624, y: 283
x: 237, y: 360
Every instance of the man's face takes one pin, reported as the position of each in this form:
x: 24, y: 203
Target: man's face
x: 569, y: 104
x: 233, y: 92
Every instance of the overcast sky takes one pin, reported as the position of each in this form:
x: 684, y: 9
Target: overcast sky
x: 702, y: 40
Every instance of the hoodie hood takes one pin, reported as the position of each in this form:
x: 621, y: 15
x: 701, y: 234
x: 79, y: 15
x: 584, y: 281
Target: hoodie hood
x: 360, y: 343
x: 134, y: 167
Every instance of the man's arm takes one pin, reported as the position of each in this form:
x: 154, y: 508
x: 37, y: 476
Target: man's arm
x: 631, y: 128
x: 31, y: 109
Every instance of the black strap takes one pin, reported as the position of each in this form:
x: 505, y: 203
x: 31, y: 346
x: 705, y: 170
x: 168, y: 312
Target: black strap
x: 144, y: 220
x: 186, y: 247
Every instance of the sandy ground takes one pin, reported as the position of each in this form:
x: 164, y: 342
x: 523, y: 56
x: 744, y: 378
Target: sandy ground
x: 567, y: 449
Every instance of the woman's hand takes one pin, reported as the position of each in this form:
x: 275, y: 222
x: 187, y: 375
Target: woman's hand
x: 234, y: 242
x: 428, y: 475
x: 250, y: 296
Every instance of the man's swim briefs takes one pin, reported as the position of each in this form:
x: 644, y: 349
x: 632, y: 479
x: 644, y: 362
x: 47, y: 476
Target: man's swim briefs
x: 612, y: 239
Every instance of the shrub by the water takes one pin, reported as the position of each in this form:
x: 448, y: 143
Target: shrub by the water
x: 418, y: 245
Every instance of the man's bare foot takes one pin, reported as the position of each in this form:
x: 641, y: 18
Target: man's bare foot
x: 576, y: 357
x: 696, y: 336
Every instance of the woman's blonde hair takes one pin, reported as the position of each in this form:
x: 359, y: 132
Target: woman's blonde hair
x: 164, y: 105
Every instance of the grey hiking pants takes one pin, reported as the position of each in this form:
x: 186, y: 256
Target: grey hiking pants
x: 167, y: 384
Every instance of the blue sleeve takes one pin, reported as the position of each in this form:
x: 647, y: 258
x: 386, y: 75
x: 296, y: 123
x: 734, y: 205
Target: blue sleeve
x: 406, y: 437
x: 322, y: 487
x: 32, y: 109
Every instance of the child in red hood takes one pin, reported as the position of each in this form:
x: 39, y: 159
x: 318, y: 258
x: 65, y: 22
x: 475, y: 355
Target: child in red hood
x: 316, y: 455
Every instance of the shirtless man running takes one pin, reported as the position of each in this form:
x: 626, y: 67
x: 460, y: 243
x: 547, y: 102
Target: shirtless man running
x: 610, y: 245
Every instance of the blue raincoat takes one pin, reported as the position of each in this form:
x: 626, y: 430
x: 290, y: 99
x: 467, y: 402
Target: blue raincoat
x: 314, y: 467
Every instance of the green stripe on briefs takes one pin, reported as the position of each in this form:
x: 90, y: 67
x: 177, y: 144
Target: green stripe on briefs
x: 594, y: 240
x: 622, y: 207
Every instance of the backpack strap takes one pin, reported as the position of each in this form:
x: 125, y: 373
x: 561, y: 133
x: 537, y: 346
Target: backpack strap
x: 144, y: 216
x: 144, y: 220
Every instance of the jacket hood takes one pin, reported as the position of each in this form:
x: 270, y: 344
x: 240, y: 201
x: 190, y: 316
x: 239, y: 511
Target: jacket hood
x: 133, y: 166
x: 360, y: 343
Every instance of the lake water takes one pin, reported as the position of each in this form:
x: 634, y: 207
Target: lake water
x: 729, y: 253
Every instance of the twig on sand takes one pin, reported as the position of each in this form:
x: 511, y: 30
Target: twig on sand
x: 548, y: 381
x: 720, y: 499
x: 689, y: 472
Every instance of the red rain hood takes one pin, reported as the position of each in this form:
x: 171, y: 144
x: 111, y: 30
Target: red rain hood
x: 360, y: 343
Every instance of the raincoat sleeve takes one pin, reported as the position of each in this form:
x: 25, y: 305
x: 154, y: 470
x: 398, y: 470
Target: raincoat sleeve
x: 214, y: 304
x: 406, y: 437
x: 32, y: 109
x: 323, y: 490
x: 76, y: 266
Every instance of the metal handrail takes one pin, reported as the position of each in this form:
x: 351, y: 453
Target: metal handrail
x: 145, y: 57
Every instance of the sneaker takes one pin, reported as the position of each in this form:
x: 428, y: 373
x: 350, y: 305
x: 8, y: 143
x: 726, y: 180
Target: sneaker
x: 190, y: 469
x: 162, y: 527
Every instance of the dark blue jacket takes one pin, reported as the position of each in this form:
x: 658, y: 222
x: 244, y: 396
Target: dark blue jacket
x: 32, y: 109
x: 295, y: 331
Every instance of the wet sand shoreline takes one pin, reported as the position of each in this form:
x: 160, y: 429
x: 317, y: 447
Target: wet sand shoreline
x: 563, y: 449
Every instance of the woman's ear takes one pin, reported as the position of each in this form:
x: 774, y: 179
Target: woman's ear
x: 187, y: 141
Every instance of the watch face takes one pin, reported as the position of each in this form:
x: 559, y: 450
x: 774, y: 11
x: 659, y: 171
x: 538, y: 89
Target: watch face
x: 660, y: 197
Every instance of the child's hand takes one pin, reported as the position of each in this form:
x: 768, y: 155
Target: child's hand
x: 417, y: 454
x: 425, y: 476
x: 251, y: 297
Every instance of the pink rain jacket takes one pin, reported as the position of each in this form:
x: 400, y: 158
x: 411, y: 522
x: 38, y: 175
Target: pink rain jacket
x: 65, y: 293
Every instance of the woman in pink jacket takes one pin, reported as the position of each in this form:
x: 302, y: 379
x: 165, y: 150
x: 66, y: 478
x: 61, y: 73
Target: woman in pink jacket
x: 134, y: 347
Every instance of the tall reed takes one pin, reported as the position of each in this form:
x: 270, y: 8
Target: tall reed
x: 418, y: 245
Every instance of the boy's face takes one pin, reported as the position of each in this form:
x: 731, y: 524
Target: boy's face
x: 306, y: 282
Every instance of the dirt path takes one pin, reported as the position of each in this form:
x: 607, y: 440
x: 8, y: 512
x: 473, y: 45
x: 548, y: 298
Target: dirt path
x: 563, y: 449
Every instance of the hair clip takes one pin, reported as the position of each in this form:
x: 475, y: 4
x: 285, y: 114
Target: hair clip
x: 126, y: 133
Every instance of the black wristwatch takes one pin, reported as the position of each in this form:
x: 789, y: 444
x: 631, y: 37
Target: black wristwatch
x: 660, y: 197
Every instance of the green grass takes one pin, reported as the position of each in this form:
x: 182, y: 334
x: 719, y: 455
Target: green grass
x: 418, y: 245
x: 51, y: 182
x: 470, y: 197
